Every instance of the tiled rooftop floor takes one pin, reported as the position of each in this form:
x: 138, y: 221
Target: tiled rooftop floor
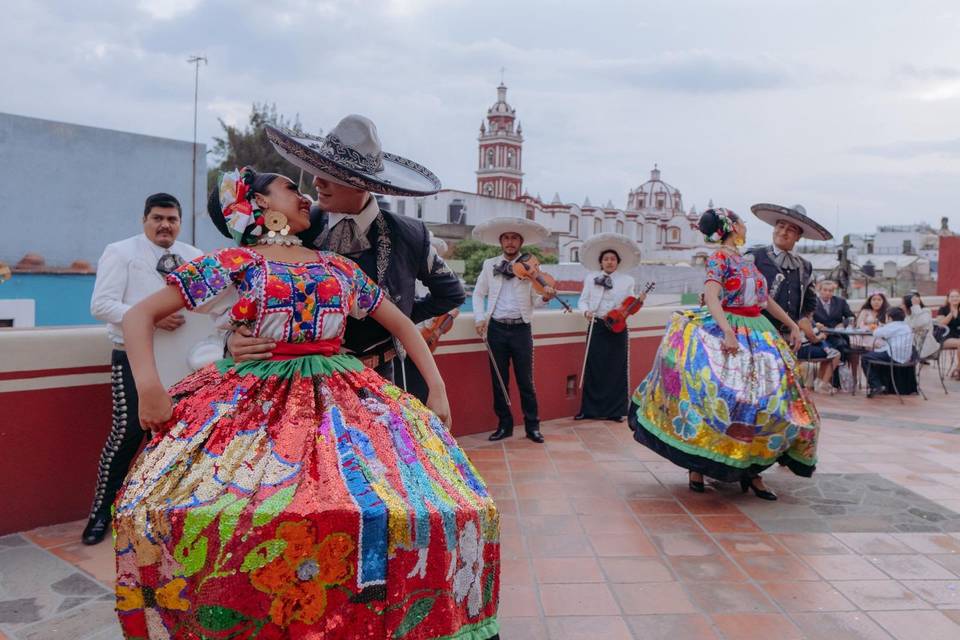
x: 602, y: 540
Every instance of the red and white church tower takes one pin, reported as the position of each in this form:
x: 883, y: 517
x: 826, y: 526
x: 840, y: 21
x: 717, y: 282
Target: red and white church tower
x: 500, y: 155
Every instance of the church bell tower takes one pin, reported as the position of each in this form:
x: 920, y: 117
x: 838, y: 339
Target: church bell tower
x: 500, y: 158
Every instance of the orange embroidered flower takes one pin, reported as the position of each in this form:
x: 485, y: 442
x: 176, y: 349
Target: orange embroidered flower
x: 277, y: 289
x: 234, y: 257
x: 299, y: 577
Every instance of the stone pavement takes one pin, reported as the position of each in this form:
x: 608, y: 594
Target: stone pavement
x: 602, y: 540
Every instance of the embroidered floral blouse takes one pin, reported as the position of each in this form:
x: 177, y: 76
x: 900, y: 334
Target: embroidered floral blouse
x: 741, y: 282
x: 285, y: 301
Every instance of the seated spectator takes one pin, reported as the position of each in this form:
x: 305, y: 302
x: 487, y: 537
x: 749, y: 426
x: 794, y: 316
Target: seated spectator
x: 949, y: 316
x: 894, y: 343
x: 833, y: 312
x: 920, y: 319
x: 872, y: 314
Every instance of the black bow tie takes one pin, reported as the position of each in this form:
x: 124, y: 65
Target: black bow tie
x: 604, y: 281
x: 504, y: 269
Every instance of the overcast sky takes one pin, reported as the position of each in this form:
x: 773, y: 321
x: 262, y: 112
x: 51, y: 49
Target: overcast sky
x: 849, y: 106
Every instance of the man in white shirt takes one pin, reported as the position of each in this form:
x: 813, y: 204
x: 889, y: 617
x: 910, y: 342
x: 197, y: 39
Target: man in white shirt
x: 606, y: 390
x: 503, y: 309
x: 897, y: 346
x: 127, y: 272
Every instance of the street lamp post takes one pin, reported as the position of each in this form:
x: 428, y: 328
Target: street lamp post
x: 195, y: 61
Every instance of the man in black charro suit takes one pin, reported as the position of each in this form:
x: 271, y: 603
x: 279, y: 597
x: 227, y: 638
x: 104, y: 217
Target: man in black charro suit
x: 394, y: 251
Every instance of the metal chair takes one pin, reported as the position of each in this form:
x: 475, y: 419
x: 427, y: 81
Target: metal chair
x: 938, y: 357
x: 914, y: 342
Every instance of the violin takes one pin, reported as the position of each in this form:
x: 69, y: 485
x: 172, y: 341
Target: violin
x: 437, y: 327
x: 616, y: 319
x: 527, y: 267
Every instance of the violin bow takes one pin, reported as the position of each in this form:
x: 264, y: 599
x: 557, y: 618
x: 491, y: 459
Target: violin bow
x: 496, y: 370
x: 586, y: 353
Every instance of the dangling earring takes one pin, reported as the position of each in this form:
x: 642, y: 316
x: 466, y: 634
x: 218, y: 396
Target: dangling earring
x: 278, y: 231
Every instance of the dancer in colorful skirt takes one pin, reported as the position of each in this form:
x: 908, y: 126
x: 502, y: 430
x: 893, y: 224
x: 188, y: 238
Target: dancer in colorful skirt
x: 302, y: 496
x: 724, y: 398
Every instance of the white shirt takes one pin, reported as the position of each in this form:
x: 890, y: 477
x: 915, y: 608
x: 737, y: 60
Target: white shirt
x: 507, y: 297
x: 593, y: 297
x: 898, y: 340
x: 363, y: 220
x: 126, y: 274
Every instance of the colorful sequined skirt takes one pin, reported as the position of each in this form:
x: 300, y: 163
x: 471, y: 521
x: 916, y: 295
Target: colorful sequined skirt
x: 728, y: 417
x: 306, y: 498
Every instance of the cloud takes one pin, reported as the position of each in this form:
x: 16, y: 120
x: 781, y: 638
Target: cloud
x: 905, y: 149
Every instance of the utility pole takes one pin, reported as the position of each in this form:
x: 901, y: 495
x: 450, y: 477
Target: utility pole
x: 195, y: 61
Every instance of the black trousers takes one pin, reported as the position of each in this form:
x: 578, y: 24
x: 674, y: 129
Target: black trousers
x: 513, y: 342
x: 605, y: 386
x: 876, y: 368
x: 125, y: 437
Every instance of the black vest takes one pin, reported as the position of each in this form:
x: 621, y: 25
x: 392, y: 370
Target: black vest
x: 795, y: 294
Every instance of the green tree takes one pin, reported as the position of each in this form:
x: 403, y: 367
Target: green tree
x: 473, y: 253
x: 249, y: 146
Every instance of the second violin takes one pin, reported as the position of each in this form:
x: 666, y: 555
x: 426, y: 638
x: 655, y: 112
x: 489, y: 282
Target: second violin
x: 527, y: 267
x: 616, y: 319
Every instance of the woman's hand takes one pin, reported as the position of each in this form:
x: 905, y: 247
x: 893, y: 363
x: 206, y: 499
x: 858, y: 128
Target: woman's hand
x: 437, y: 402
x: 796, y: 338
x: 588, y: 315
x: 156, y: 408
x: 730, y: 344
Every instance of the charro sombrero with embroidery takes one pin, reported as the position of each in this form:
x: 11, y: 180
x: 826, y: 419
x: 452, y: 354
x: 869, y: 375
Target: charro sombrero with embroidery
x: 351, y: 155
x: 489, y: 231
x: 595, y: 245
x: 796, y: 215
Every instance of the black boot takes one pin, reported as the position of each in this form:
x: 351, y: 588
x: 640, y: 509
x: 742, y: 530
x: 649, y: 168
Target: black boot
x: 535, y: 435
x: 97, y: 528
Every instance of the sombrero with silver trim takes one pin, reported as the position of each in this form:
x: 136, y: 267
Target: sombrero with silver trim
x: 489, y: 231
x: 593, y: 248
x: 351, y: 155
x: 771, y: 213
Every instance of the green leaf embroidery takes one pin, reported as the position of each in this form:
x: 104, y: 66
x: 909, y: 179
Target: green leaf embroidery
x: 488, y: 587
x: 414, y: 616
x: 191, y: 556
x: 229, y: 519
x: 262, y: 554
x: 721, y: 411
x: 772, y: 404
x: 199, y: 518
x: 217, y: 618
x: 272, y: 506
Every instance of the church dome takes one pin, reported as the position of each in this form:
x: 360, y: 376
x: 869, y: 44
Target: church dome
x: 655, y: 196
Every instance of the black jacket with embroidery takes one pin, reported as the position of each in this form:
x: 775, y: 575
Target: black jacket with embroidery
x: 796, y: 294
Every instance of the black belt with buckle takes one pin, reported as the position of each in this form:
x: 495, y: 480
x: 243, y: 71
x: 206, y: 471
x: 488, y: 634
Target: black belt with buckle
x: 510, y: 321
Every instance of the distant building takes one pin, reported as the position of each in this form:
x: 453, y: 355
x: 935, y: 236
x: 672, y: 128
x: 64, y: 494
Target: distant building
x: 654, y: 216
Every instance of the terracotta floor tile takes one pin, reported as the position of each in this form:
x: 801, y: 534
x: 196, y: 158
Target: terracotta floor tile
x: 633, y: 569
x: 725, y: 597
x: 568, y: 570
x: 549, y: 525
x: 518, y: 601
x: 599, y: 506
x: 527, y: 628
x: 652, y: 597
x: 930, y: 543
x: 839, y: 626
x: 509, y: 524
x: 507, y: 506
x: 686, y: 544
x: 756, y: 626
x: 917, y: 625
x: 516, y: 573
x: 776, y: 568
x: 807, y: 596
x: 672, y: 626
x: 500, y: 491
x: 872, y: 543
x: 706, y: 569
x: 880, y: 595
x: 544, y: 507
x: 938, y: 592
x: 750, y: 544
x: 558, y: 546
x: 813, y: 544
x: 709, y: 503
x: 622, y: 544
x: 911, y: 567
x: 512, y: 546
x: 491, y: 453
x: 97, y: 560
x: 588, y: 628
x: 57, y: 534
x: 611, y: 523
x: 540, y: 490
x: 845, y: 567
x: 645, y: 507
x: 670, y: 524
x: 728, y: 524
x: 583, y: 599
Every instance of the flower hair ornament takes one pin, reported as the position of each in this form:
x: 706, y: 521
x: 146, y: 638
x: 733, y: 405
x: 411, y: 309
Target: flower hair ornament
x: 726, y: 220
x: 245, y: 220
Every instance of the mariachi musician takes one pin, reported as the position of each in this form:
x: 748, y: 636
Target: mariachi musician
x: 607, y: 256
x: 503, y: 308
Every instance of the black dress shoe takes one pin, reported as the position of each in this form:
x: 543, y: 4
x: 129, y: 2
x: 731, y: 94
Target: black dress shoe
x: 96, y: 529
x: 535, y: 435
x: 500, y: 434
x: 746, y: 484
x: 615, y: 419
x: 579, y: 416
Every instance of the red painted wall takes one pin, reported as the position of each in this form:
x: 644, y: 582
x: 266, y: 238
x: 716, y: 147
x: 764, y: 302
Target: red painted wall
x: 948, y: 265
